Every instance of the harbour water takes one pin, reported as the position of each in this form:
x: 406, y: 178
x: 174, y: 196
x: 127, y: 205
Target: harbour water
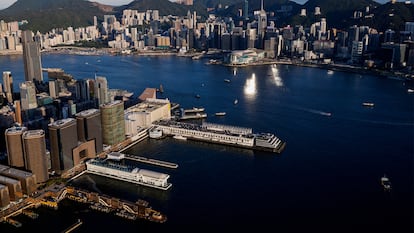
x: 326, y: 180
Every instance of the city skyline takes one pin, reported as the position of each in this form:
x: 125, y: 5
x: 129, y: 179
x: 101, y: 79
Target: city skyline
x: 6, y: 3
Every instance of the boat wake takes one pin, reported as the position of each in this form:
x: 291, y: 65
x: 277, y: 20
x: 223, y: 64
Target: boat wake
x: 314, y: 111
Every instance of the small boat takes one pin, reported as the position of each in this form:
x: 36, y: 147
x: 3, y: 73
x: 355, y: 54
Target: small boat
x: 326, y: 113
x: 368, y: 104
x: 410, y: 90
x: 227, y: 80
x: 179, y: 137
x: 236, y: 101
x: 386, y: 183
x: 330, y: 72
x: 220, y: 113
x: 197, y: 96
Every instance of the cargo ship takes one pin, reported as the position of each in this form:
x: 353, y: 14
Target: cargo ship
x: 135, y: 175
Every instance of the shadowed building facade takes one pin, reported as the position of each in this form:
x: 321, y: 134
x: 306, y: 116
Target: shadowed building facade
x: 14, y: 145
x: 89, y: 127
x: 63, y: 136
x: 35, y: 154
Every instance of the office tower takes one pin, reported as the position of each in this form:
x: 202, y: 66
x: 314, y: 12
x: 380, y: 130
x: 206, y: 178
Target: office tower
x: 8, y: 85
x: 28, y: 95
x: 101, y: 90
x: 35, y: 154
x: 27, y: 180
x: 14, y: 145
x: 113, y: 123
x: 82, y: 89
x: 262, y: 22
x: 31, y: 57
x: 246, y: 9
x: 63, y: 137
x: 53, y: 89
x: 89, y: 127
x: 18, y: 112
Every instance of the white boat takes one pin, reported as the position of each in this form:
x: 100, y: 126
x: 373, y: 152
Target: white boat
x: 236, y: 101
x: 386, y: 183
x: 179, y: 137
x: 330, y: 72
x: 227, y: 80
x: 410, y: 90
x: 368, y: 104
x: 220, y: 113
x: 194, y: 110
x: 155, y: 133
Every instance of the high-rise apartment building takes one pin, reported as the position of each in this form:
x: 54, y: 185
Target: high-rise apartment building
x: 28, y: 95
x: 63, y: 136
x: 14, y: 145
x: 8, y: 85
x: 113, y: 123
x: 31, y: 58
x: 89, y: 127
x: 35, y: 154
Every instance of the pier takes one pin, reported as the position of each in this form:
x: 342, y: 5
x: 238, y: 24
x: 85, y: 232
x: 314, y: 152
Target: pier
x: 151, y: 161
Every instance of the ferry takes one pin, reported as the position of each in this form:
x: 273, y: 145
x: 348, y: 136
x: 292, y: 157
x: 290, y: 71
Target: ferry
x: 155, y: 133
x: 386, y: 183
x: 220, y: 113
x: 193, y: 110
x: 368, y: 104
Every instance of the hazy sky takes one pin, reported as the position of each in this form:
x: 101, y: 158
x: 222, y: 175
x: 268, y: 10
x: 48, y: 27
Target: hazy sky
x: 7, y: 3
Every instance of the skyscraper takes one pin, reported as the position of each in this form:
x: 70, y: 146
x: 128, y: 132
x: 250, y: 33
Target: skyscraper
x: 8, y: 85
x: 35, y: 154
x: 89, y: 127
x: 63, y: 136
x: 113, y: 123
x: 28, y: 95
x: 31, y: 58
x: 262, y: 24
x: 14, y: 145
x: 101, y: 90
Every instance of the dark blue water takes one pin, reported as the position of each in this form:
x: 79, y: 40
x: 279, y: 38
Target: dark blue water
x: 326, y: 180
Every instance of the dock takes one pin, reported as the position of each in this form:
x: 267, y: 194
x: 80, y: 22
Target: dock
x: 151, y: 161
x: 73, y: 227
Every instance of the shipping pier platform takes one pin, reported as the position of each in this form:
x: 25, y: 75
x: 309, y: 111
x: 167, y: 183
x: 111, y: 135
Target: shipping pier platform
x: 222, y: 134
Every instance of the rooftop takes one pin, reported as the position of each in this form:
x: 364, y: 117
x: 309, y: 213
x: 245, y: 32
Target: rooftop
x: 33, y: 133
x: 62, y: 123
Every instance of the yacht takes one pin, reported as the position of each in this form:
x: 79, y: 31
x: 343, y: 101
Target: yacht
x: 410, y: 90
x: 220, y: 113
x: 368, y: 104
x: 386, y: 183
x: 179, y: 137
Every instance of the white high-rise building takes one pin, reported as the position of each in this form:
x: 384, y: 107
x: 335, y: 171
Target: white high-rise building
x: 28, y: 95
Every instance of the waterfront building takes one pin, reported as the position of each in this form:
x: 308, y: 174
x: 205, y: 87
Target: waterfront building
x: 35, y: 154
x: 63, y: 136
x: 14, y: 145
x: 28, y: 95
x: 27, y: 179
x: 8, y: 85
x: 113, y: 124
x: 89, y: 127
x: 145, y: 113
x: 4, y: 196
x: 31, y: 58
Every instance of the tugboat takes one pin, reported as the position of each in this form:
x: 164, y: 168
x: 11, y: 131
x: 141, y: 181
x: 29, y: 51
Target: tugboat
x: 386, y: 183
